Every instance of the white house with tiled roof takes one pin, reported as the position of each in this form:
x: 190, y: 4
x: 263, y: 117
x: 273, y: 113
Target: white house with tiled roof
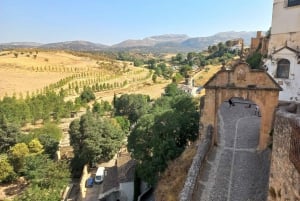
x: 283, y: 62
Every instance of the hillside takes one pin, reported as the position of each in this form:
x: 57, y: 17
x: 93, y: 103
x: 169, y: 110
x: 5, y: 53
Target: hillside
x: 161, y: 43
x: 25, y: 73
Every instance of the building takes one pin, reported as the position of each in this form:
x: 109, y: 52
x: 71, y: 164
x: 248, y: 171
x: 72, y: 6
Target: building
x: 259, y: 44
x: 283, y: 61
x: 118, y: 183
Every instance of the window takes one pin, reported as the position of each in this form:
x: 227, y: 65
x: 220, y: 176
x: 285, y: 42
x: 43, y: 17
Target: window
x: 283, y: 69
x: 293, y: 3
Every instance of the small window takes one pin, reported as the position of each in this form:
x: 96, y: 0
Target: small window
x: 283, y: 68
x: 293, y: 3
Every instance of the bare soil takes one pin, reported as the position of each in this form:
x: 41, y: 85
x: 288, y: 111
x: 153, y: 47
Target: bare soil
x: 9, y: 191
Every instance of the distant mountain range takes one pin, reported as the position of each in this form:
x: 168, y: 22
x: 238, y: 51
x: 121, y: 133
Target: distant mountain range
x: 161, y: 43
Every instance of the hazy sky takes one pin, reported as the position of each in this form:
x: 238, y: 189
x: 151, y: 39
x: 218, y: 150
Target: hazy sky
x: 112, y: 21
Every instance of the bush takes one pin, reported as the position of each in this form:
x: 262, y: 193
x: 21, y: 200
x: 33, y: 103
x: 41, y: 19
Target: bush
x: 254, y: 60
x: 87, y: 95
x: 6, y: 171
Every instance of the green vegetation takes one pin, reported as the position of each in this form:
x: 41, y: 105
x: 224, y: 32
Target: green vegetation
x: 8, y: 134
x: 180, y: 66
x: 254, y: 60
x: 161, y: 134
x: 49, y: 136
x: 31, y: 155
x: 132, y: 106
x: 94, y: 139
x: 158, y: 131
x: 47, y: 178
x: 28, y: 156
x: 31, y: 109
x: 87, y: 95
x: 6, y: 170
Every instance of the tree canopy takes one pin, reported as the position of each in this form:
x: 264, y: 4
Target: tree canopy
x: 162, y: 134
x: 95, y: 138
x: 132, y: 106
x: 8, y: 134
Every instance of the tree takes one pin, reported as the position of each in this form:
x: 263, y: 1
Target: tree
x: 35, y: 146
x: 172, y: 90
x: 184, y: 70
x: 229, y: 43
x: 87, y: 95
x: 47, y: 178
x: 8, y: 134
x: 154, y: 78
x: 133, y: 106
x: 124, y: 123
x: 151, y: 63
x: 6, y: 170
x: 177, y: 78
x: 162, y: 134
x: 17, y: 155
x: 49, y: 136
x: 97, y: 108
x: 254, y: 60
x: 49, y: 144
x: 95, y: 139
x: 179, y: 58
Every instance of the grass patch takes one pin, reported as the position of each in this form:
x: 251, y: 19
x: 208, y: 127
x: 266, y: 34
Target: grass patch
x: 172, y: 180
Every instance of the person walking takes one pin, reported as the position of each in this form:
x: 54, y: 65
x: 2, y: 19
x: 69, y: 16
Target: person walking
x: 231, y: 103
x: 256, y: 111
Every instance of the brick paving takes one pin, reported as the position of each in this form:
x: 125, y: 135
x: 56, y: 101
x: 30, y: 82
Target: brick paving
x: 235, y: 170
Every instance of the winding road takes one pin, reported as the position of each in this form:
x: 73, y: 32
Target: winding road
x: 235, y: 170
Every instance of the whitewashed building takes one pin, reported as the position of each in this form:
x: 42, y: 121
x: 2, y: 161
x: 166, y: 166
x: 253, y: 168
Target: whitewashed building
x: 283, y: 61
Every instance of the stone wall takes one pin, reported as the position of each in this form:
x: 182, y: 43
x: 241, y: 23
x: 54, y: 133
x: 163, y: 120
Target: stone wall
x: 284, y: 183
x: 203, y: 149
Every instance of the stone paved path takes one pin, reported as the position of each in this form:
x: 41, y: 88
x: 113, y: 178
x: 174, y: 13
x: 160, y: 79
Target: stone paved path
x: 235, y: 171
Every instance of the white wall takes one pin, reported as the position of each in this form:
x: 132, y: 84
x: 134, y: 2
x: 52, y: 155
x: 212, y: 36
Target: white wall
x: 285, y: 31
x: 291, y: 86
x: 128, y: 189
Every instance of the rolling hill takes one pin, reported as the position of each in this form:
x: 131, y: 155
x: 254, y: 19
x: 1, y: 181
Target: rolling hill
x: 161, y: 43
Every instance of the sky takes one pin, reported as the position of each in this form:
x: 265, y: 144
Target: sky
x: 112, y: 21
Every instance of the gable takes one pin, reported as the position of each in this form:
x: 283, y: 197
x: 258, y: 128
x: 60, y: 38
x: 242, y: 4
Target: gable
x: 242, y: 77
x: 286, y: 50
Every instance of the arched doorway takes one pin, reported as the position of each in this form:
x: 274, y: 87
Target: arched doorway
x: 235, y: 170
x: 238, y: 124
x: 248, y: 84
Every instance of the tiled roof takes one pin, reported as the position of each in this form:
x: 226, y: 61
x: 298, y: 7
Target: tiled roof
x: 110, y: 180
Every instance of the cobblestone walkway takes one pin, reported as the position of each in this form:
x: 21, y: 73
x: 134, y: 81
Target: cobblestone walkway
x: 235, y: 171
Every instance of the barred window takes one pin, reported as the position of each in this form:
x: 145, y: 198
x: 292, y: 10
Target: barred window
x: 283, y: 68
x: 293, y: 3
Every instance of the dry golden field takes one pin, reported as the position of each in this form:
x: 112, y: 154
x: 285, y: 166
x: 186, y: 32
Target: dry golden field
x: 22, y: 73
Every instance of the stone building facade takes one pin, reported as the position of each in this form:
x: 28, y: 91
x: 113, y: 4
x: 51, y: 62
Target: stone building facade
x: 283, y: 61
x: 260, y: 43
x: 284, y: 183
x: 243, y: 82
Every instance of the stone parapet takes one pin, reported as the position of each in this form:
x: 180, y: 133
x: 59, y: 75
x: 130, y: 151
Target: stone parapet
x: 284, y: 182
x: 203, y: 149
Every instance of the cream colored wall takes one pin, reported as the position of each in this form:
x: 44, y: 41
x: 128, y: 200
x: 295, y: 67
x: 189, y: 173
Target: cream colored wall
x: 285, y: 19
x: 285, y: 26
x: 280, y: 40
